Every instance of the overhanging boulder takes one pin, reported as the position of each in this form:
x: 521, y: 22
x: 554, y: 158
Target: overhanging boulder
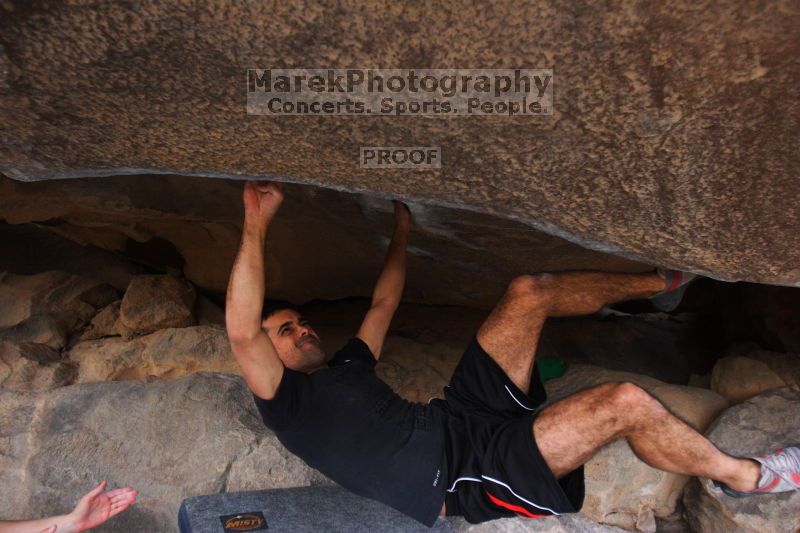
x: 673, y: 140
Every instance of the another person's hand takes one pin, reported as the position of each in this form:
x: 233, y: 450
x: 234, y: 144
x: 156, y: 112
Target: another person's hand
x: 96, y: 507
x: 262, y: 199
x: 92, y: 510
x: 402, y: 216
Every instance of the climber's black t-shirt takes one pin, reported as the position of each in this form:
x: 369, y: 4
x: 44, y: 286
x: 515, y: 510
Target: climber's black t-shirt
x: 348, y: 424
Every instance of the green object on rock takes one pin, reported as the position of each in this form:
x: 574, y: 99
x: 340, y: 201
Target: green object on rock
x: 550, y: 367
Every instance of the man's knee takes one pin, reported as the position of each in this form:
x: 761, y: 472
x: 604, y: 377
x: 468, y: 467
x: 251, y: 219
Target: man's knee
x: 528, y: 286
x: 631, y: 402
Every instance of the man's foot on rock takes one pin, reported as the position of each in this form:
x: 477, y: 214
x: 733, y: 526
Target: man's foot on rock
x: 780, y: 472
x: 676, y: 283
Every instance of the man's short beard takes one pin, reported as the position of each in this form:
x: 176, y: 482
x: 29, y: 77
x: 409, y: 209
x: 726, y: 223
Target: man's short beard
x: 318, y: 357
x: 306, y: 339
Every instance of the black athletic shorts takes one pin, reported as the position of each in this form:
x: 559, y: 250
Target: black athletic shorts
x: 495, y: 469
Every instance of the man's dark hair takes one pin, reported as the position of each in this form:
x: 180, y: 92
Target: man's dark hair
x: 273, y: 306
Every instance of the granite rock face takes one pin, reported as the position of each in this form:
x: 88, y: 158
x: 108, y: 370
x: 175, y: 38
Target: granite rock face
x: 38, y: 316
x: 786, y: 365
x: 673, y: 138
x: 156, y: 302
x: 170, y: 440
x: 45, y: 308
x: 28, y: 366
x: 740, y: 378
x: 757, y: 426
x: 748, y: 370
x: 105, y: 323
x: 167, y: 353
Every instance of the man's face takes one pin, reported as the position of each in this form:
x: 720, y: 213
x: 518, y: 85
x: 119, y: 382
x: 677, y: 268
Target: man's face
x: 297, y: 344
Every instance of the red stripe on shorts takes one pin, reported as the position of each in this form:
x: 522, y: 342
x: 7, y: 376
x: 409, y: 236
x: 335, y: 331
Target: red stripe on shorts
x: 521, y: 511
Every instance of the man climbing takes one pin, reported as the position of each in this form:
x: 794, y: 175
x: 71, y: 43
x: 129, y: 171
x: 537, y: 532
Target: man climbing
x: 487, y: 450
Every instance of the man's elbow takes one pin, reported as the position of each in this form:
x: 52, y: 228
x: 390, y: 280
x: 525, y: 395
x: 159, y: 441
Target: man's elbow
x: 241, y: 338
x: 386, y: 304
x: 239, y: 333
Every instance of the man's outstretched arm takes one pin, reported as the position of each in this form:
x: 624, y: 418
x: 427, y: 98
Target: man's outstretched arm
x: 250, y: 344
x: 389, y: 288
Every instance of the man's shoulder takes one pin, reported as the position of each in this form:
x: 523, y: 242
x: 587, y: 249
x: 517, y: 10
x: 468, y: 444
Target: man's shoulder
x: 354, y: 350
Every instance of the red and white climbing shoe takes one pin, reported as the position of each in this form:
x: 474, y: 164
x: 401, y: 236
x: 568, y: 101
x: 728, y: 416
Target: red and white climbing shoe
x: 780, y: 472
x: 676, y: 283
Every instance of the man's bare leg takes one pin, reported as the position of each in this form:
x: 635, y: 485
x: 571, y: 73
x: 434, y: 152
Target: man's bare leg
x: 570, y: 431
x: 511, y: 332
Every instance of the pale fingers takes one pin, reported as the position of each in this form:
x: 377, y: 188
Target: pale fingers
x: 128, y: 497
x: 116, y: 510
x: 119, y: 505
x: 123, y: 490
x: 97, y: 490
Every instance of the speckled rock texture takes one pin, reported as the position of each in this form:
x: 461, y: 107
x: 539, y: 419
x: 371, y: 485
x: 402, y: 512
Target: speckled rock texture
x: 786, y: 365
x: 46, y: 307
x: 175, y: 440
x: 740, y: 378
x: 758, y: 426
x: 673, y: 139
x: 38, y: 315
x: 748, y: 370
x: 104, y: 324
x: 167, y: 353
x: 23, y: 368
x: 154, y: 302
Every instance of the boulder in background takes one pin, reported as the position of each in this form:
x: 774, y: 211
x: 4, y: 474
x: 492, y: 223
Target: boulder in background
x: 167, y: 353
x: 154, y: 302
x: 757, y: 426
x: 105, y: 323
x: 45, y: 308
x: 740, y: 378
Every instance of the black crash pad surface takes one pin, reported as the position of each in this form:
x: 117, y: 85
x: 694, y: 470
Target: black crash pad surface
x: 326, y: 509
